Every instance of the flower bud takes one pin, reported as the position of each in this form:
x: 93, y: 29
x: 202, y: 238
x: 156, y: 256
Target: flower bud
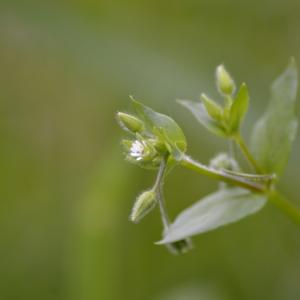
x: 143, y: 205
x: 130, y: 122
x: 225, y: 83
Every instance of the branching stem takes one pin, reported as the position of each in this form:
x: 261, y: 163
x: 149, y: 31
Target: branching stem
x: 245, y: 181
x: 189, y: 163
x: 158, y: 188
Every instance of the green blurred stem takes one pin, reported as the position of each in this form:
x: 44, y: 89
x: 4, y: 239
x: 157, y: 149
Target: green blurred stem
x: 158, y: 189
x: 189, y: 163
x: 241, y: 143
x: 279, y: 200
x: 231, y: 149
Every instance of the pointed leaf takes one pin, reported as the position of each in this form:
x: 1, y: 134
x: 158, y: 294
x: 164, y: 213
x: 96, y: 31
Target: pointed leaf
x: 214, y: 110
x: 199, y: 111
x: 238, y: 109
x: 215, y: 210
x: 275, y: 131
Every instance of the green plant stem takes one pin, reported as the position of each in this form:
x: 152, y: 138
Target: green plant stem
x: 158, y: 188
x: 274, y: 196
x: 189, y: 163
x: 279, y: 200
x: 241, y: 143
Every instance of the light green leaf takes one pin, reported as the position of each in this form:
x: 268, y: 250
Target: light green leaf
x: 213, y: 109
x: 171, y: 146
x: 238, y: 109
x: 199, y: 111
x: 215, y: 210
x: 275, y: 131
x: 154, y: 120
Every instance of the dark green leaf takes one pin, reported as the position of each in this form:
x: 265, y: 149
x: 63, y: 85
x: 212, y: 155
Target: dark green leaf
x: 199, y: 111
x: 215, y: 210
x: 275, y: 131
x: 238, y: 109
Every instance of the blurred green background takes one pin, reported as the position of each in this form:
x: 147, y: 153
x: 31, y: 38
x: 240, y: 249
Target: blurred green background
x: 66, y: 67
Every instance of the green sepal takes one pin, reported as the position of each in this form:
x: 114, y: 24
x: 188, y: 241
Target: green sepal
x: 130, y: 123
x: 143, y: 205
x: 171, y: 146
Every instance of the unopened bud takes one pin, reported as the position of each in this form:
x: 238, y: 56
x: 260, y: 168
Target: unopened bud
x: 225, y: 83
x: 130, y: 122
x: 143, y: 205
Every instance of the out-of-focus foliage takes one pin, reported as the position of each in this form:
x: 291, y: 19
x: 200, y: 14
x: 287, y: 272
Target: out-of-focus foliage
x: 274, y: 133
x: 66, y: 67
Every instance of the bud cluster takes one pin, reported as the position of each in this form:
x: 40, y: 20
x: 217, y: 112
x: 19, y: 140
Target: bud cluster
x: 225, y: 120
x: 154, y: 136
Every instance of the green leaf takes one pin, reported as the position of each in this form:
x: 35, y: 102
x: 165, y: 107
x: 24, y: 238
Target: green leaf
x: 215, y: 210
x: 275, y: 131
x: 238, y: 109
x: 213, y: 109
x: 154, y: 120
x: 199, y: 111
x: 171, y: 146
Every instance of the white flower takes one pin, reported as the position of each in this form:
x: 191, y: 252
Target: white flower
x: 137, y: 150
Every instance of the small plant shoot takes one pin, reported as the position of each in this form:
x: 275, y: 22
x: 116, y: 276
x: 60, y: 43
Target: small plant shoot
x: 155, y: 141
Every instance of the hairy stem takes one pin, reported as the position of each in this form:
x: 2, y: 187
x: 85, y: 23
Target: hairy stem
x: 245, y: 181
x: 189, y: 163
x: 158, y: 188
